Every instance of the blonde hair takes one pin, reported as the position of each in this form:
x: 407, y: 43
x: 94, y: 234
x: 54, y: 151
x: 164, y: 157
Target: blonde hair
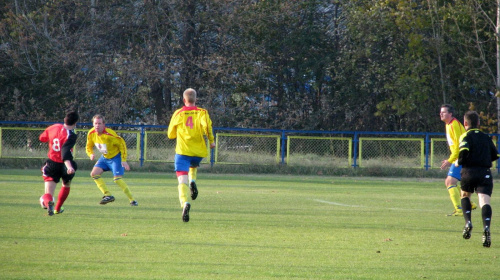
x: 97, y: 116
x: 190, y: 95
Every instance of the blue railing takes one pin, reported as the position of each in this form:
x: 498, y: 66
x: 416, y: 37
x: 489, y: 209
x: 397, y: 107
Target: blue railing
x: 284, y: 136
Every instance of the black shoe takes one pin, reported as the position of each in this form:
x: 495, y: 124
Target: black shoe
x: 194, y: 190
x: 134, y: 203
x: 486, y: 237
x: 50, y: 208
x: 107, y: 199
x: 185, y: 212
x: 467, y: 230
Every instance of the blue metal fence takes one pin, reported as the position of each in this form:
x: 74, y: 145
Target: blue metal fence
x: 354, y: 135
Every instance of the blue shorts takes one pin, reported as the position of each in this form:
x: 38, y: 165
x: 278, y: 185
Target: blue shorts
x: 114, y: 164
x: 454, y: 171
x: 182, y: 163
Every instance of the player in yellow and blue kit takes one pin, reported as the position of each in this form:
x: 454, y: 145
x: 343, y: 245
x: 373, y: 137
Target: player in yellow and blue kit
x: 189, y: 125
x: 454, y: 129
x: 114, y: 158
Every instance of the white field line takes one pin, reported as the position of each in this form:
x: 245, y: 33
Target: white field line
x: 336, y: 203
x: 361, y: 206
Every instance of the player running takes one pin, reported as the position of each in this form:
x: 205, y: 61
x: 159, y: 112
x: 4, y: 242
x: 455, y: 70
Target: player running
x: 60, y: 164
x: 189, y: 125
x: 477, y: 152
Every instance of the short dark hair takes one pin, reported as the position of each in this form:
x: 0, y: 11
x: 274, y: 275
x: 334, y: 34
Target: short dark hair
x: 450, y: 108
x: 71, y: 118
x: 472, y: 118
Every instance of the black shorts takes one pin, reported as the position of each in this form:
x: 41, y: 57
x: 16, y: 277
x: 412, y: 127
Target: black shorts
x: 54, y: 171
x: 477, y: 179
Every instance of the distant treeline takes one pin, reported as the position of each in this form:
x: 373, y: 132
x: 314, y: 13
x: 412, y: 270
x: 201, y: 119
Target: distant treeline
x: 303, y: 64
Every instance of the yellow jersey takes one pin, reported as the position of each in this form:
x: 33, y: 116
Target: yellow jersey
x: 108, y: 143
x: 189, y: 125
x: 454, y: 129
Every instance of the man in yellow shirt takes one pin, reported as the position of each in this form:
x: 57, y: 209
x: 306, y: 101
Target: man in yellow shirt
x: 189, y: 125
x: 454, y: 129
x: 114, y: 158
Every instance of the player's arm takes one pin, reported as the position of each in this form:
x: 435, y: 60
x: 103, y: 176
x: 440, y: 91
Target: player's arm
x: 89, y: 147
x: 67, y: 155
x: 122, y: 146
x: 463, y: 153
x: 494, y: 152
x: 69, y: 167
x: 455, y: 136
x: 209, y: 131
x: 67, y: 146
x: 172, y: 127
x: 44, y: 137
x: 123, y: 151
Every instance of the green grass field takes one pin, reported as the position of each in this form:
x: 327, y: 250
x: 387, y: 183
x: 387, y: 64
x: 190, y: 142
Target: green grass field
x: 242, y: 227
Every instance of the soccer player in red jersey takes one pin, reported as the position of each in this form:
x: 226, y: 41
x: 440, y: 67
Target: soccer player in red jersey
x: 189, y: 125
x: 60, y: 164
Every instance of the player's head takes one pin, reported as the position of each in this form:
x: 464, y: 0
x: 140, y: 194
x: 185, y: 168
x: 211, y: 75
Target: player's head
x: 471, y: 119
x: 71, y: 118
x: 98, y: 116
x: 189, y: 96
x: 98, y: 122
x: 447, y: 112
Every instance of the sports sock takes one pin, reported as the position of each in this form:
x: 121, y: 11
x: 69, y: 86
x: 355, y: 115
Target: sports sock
x: 466, y: 208
x: 46, y: 198
x: 101, y: 185
x: 183, y: 193
x: 192, y: 173
x: 455, y: 197
x: 474, y: 205
x: 486, y: 212
x: 63, y: 194
x: 124, y: 187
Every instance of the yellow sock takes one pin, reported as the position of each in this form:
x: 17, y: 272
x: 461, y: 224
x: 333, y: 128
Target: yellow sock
x: 183, y: 193
x: 455, y: 197
x: 124, y: 188
x: 101, y: 185
x: 192, y: 173
x: 473, y: 205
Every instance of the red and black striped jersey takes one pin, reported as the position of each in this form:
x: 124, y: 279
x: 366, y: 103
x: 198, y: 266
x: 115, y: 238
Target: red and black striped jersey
x: 61, y: 142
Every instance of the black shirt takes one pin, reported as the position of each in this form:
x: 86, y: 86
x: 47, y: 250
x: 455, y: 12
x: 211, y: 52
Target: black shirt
x: 476, y: 149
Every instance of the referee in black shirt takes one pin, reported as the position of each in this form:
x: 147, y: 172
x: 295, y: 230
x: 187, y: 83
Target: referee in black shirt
x: 477, y: 152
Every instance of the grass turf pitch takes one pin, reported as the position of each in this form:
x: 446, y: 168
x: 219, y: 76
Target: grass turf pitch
x: 242, y: 227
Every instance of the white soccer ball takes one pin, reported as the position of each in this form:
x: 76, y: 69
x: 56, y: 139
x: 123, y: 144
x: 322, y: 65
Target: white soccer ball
x: 41, y: 202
